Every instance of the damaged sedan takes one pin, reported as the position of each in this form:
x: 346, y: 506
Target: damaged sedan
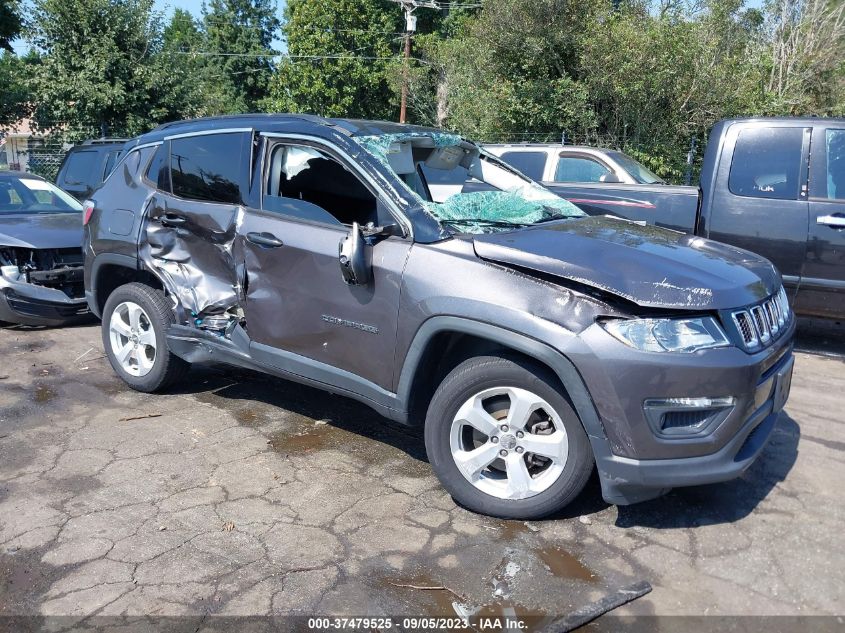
x: 413, y: 271
x: 40, y: 253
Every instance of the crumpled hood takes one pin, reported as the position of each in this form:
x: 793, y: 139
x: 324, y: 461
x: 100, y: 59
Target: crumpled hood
x: 53, y: 230
x: 647, y: 265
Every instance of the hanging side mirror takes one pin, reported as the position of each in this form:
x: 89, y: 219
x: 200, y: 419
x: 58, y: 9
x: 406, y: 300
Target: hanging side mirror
x: 353, y: 258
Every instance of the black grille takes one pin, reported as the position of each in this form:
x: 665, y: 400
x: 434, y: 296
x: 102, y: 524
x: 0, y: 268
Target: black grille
x: 682, y: 419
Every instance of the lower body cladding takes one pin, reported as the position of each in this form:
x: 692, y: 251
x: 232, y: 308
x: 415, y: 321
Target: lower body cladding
x: 672, y: 420
x: 29, y: 303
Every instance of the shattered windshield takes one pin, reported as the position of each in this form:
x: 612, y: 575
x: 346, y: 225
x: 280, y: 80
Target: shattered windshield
x: 462, y: 185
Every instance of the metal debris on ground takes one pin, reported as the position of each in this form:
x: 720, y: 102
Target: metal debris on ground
x: 588, y: 613
x: 141, y: 417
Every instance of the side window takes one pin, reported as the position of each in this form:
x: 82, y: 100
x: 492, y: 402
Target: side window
x: 579, y: 169
x: 80, y: 166
x: 767, y: 163
x: 835, y: 167
x: 306, y: 183
x: 111, y: 160
x: 209, y: 168
x: 529, y: 163
x: 158, y: 171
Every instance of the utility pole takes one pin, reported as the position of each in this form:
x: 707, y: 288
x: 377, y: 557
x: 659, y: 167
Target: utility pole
x: 410, y: 28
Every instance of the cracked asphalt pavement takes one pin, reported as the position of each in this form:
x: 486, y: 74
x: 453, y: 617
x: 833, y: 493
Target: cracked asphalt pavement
x: 240, y: 494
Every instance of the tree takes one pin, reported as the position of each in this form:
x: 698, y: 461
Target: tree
x: 239, y: 57
x: 15, y: 98
x: 10, y: 23
x: 101, y: 68
x: 342, y: 58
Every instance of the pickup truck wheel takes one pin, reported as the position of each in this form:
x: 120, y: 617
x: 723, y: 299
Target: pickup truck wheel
x: 135, y: 319
x: 505, y: 441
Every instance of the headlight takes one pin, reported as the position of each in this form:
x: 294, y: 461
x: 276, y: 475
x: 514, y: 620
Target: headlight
x: 668, y: 335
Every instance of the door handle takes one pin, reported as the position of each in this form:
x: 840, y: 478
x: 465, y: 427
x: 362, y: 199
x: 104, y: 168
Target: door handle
x: 836, y: 221
x: 265, y: 239
x: 169, y: 219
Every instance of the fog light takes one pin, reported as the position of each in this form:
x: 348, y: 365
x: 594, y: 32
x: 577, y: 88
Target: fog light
x: 684, y: 417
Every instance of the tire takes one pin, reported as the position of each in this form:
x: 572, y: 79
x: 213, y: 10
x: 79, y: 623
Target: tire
x: 150, y: 366
x: 505, y: 388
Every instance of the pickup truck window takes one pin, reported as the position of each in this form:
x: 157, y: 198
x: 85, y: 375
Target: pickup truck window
x: 529, y: 163
x: 767, y: 163
x: 835, y: 153
x: 579, y: 169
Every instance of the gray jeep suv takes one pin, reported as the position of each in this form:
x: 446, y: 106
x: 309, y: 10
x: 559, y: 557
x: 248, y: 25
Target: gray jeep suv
x: 531, y: 341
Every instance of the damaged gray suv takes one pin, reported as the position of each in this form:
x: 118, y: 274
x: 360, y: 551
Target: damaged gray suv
x: 409, y: 269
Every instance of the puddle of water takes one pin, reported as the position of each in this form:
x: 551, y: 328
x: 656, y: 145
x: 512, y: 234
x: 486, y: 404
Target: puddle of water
x: 563, y: 564
x: 249, y: 417
x: 311, y: 439
x: 511, y: 530
x: 43, y: 394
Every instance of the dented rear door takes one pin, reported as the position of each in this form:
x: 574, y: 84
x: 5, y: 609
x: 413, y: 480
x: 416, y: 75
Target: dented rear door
x: 191, y: 221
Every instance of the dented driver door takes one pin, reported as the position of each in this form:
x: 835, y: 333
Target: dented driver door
x: 300, y: 314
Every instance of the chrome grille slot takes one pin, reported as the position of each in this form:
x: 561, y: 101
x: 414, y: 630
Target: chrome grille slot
x: 760, y: 323
x: 742, y: 319
x: 771, y: 317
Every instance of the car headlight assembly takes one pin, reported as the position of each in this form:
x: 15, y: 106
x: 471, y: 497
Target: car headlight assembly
x: 668, y: 335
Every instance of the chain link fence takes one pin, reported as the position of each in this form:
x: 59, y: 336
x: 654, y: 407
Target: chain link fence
x: 42, y: 152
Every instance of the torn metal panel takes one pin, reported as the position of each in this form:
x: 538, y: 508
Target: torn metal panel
x: 194, y: 258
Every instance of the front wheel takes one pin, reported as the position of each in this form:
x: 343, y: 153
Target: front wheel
x: 135, y: 320
x: 505, y: 441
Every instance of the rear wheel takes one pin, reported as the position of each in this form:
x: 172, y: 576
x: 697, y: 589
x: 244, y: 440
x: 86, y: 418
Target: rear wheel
x: 505, y: 441
x: 135, y: 320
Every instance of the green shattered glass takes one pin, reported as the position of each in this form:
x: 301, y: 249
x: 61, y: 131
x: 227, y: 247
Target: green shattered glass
x: 528, y: 204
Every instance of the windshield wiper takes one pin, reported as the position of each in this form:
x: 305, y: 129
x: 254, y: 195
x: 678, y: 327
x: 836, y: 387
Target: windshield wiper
x: 486, y: 222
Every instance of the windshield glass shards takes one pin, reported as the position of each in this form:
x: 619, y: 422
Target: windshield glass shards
x: 463, y: 186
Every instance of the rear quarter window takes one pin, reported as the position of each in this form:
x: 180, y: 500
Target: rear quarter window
x: 767, y: 163
x: 209, y: 168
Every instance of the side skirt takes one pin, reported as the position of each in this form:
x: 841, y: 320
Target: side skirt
x: 198, y: 346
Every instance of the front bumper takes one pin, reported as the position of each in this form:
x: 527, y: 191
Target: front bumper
x: 634, y: 462
x: 625, y: 480
x: 28, y: 304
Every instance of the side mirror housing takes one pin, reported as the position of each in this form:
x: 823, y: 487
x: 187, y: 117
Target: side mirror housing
x: 353, y: 258
x: 610, y: 177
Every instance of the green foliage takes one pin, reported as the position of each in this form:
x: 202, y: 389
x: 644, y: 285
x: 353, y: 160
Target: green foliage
x: 342, y: 55
x: 239, y: 64
x: 101, y: 69
x: 10, y: 23
x: 14, y: 91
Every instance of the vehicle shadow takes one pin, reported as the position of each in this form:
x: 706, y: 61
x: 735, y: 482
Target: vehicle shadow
x: 819, y: 337
x: 244, y: 386
x: 724, y: 502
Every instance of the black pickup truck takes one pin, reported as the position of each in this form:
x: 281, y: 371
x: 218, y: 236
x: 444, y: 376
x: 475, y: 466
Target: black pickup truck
x: 773, y: 186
